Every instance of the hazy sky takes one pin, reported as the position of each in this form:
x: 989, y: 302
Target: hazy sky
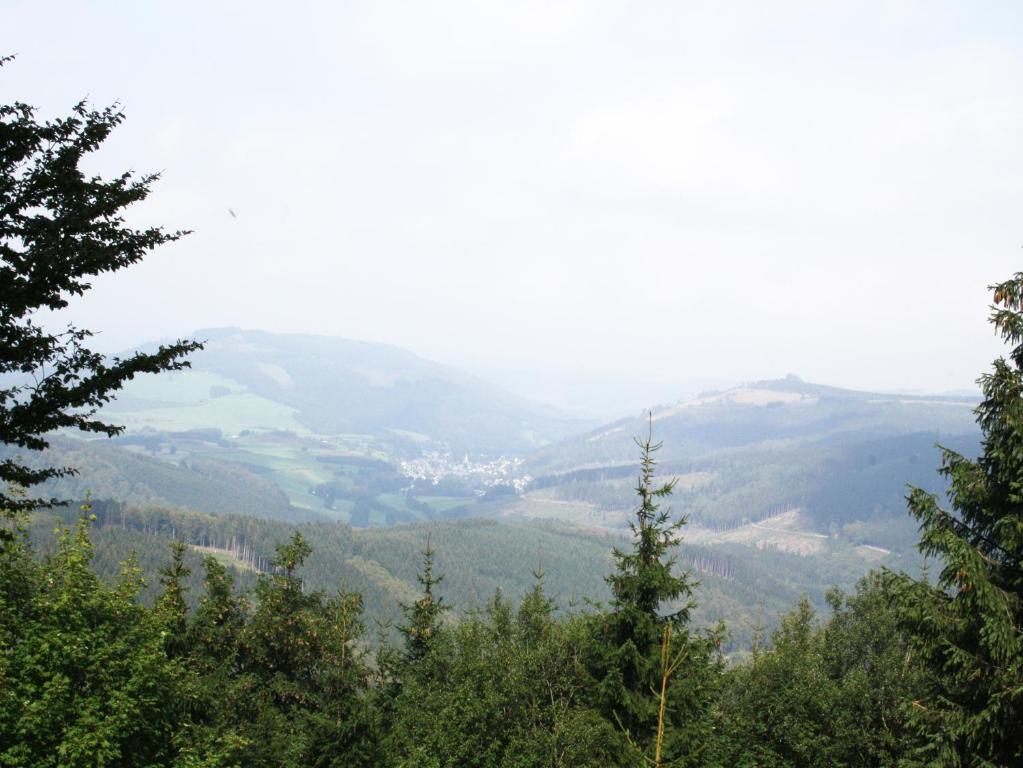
x: 587, y: 193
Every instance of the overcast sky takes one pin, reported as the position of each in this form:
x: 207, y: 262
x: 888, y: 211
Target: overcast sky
x: 563, y: 194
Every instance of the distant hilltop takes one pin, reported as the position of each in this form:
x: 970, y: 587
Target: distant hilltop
x: 247, y: 379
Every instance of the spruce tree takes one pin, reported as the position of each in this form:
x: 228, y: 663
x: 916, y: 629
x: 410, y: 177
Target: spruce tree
x: 219, y: 617
x: 277, y: 638
x: 535, y: 614
x: 423, y: 616
x: 969, y: 625
x: 216, y: 729
x: 171, y: 609
x: 648, y: 594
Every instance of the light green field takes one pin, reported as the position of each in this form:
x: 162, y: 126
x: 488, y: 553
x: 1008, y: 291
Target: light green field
x: 185, y: 400
x: 293, y: 470
x: 231, y: 414
x: 393, y: 500
x: 179, y: 387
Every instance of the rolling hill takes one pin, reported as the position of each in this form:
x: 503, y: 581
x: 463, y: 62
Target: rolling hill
x: 318, y: 385
x: 789, y: 487
x: 833, y: 462
x: 767, y: 415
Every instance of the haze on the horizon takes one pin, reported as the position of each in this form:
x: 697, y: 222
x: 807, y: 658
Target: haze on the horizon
x: 562, y: 195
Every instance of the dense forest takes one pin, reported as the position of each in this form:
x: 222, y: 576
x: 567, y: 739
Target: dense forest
x: 280, y: 674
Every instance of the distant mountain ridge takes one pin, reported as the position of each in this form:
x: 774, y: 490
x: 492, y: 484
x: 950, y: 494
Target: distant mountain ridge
x: 794, y: 383
x: 334, y: 386
x: 761, y: 414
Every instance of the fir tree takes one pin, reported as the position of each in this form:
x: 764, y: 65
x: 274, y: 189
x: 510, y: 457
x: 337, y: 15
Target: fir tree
x: 215, y: 734
x: 969, y: 626
x: 647, y: 596
x: 423, y: 616
x: 219, y: 618
x: 171, y: 609
x: 535, y: 613
x: 643, y: 584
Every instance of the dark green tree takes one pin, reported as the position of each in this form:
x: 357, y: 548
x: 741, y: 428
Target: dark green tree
x: 219, y: 617
x: 969, y: 625
x: 341, y: 731
x: 277, y: 638
x: 215, y: 736
x: 649, y: 593
x: 502, y: 689
x: 59, y: 228
x: 84, y: 678
x: 423, y: 616
x: 296, y: 700
x: 171, y: 609
x: 776, y: 710
x: 823, y: 696
x: 877, y: 676
x: 536, y: 612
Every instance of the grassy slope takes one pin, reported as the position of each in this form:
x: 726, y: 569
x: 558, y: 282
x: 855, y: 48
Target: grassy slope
x: 334, y: 386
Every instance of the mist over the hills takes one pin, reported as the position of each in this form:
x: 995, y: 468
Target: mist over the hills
x: 592, y: 201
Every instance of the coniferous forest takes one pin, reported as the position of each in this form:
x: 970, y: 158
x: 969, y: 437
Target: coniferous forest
x: 239, y: 661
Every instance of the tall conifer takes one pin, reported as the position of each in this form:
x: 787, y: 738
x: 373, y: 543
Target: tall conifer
x: 969, y: 626
x: 171, y: 609
x: 647, y: 594
x: 423, y: 616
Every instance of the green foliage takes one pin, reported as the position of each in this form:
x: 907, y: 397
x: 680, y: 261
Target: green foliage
x: 823, y: 696
x: 423, y: 616
x: 648, y: 594
x: 84, y: 678
x: 503, y: 688
x: 59, y: 227
x: 969, y: 626
x: 281, y: 677
x: 171, y: 611
x: 294, y: 699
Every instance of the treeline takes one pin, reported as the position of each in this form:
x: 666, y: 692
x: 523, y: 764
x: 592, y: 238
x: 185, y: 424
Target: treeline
x: 738, y: 585
x: 281, y: 676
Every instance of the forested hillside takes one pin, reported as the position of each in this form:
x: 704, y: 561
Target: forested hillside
x: 196, y: 482
x: 256, y: 665
x: 814, y: 499
x: 741, y: 586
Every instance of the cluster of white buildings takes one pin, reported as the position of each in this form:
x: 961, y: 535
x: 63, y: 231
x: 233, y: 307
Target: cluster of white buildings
x: 433, y: 466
